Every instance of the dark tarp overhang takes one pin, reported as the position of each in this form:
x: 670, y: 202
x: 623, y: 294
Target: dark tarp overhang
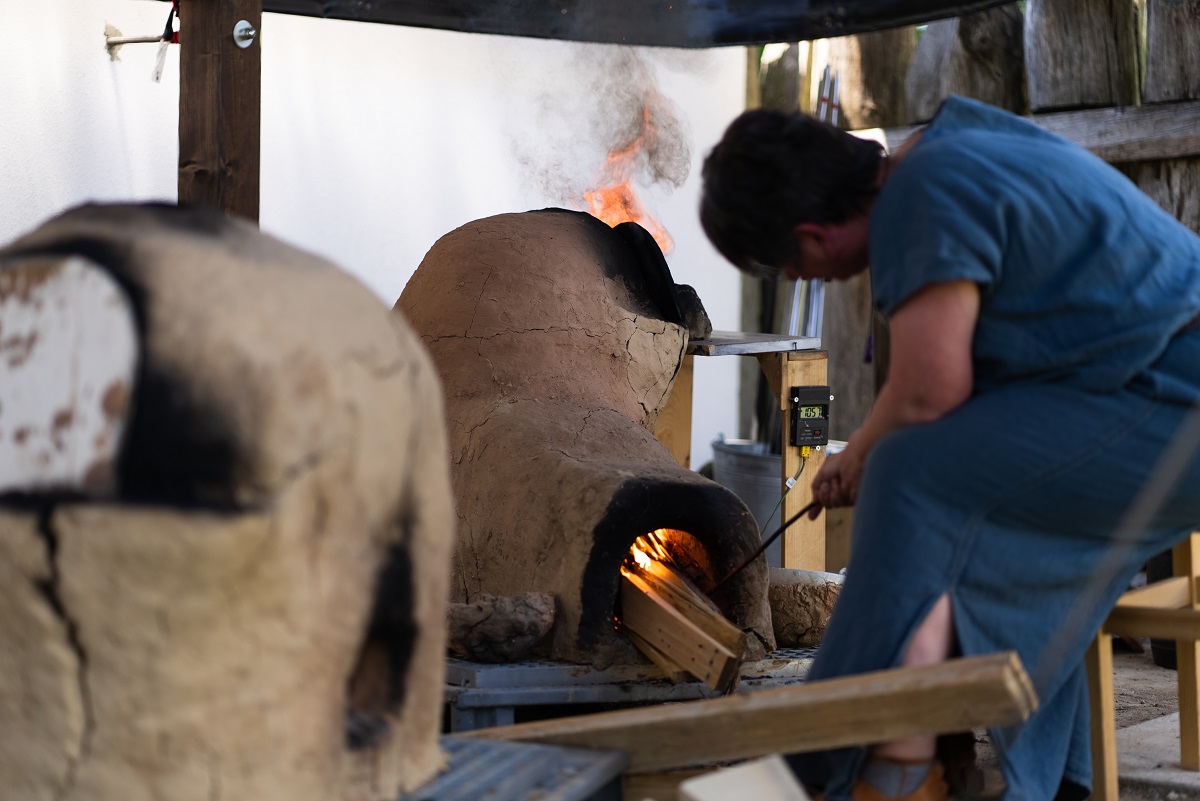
x: 663, y: 23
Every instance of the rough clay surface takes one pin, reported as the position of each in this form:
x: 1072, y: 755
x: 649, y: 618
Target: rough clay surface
x: 158, y: 652
x: 499, y: 629
x: 801, y: 603
x: 555, y: 371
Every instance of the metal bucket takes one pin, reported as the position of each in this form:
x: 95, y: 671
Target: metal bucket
x: 747, y: 469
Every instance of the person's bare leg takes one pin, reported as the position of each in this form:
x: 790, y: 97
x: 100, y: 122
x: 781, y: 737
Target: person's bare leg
x: 932, y: 642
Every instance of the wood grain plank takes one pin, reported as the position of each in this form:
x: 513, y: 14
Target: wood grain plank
x: 1161, y: 624
x: 954, y: 696
x: 1081, y: 53
x: 644, y: 612
x: 1172, y: 593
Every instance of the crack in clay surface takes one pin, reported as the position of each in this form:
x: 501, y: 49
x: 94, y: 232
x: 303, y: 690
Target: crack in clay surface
x: 50, y: 590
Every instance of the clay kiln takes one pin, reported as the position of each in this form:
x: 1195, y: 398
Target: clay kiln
x: 248, y: 600
x: 557, y: 340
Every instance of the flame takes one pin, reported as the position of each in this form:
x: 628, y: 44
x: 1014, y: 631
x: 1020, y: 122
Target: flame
x: 646, y: 549
x: 642, y: 558
x: 615, y: 201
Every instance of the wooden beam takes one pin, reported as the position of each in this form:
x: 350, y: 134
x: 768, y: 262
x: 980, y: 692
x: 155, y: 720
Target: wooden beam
x: 219, y: 106
x: 954, y: 696
x: 647, y: 614
x: 803, y: 546
x: 1163, y: 131
x: 1172, y: 593
x: 1161, y: 624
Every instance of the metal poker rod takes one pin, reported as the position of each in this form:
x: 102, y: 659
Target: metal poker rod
x: 766, y: 543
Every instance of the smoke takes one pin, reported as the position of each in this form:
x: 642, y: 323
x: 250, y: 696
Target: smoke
x: 599, y: 100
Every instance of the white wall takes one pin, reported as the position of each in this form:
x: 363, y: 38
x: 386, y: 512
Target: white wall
x: 376, y: 139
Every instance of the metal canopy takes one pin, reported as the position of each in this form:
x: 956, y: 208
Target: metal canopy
x: 664, y: 23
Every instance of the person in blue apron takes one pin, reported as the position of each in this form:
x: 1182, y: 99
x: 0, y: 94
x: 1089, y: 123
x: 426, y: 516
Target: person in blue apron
x: 1045, y: 362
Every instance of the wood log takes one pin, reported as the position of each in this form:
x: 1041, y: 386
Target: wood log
x: 675, y: 633
x: 499, y: 629
x: 958, y: 695
x: 1081, y: 54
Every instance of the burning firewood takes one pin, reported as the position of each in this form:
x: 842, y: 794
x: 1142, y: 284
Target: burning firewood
x: 674, y: 624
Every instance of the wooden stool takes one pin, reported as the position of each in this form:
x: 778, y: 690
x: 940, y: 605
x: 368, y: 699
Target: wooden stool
x: 1168, y: 610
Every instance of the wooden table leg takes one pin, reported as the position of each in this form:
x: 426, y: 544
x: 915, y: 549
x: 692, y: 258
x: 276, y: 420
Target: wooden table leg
x: 1104, y: 727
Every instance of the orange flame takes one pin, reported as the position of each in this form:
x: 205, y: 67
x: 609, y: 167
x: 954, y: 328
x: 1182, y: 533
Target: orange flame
x: 646, y: 549
x: 616, y: 201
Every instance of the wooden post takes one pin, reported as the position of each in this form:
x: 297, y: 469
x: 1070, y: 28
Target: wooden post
x: 1172, y: 74
x: 1185, y: 558
x: 1081, y: 53
x: 803, y: 544
x: 219, y: 106
x: 674, y: 425
x: 1104, y: 727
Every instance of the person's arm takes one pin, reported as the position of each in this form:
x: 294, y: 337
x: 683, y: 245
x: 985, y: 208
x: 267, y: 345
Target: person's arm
x: 929, y: 374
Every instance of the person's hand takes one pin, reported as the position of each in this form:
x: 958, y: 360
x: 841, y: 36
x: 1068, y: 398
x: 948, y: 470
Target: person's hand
x: 836, y: 483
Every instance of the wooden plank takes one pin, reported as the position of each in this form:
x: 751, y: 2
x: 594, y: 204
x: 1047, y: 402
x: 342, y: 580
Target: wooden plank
x: 1081, y: 53
x: 1172, y: 74
x: 671, y: 671
x: 695, y: 606
x: 1161, y: 624
x: 978, y: 55
x: 1185, y: 558
x: 645, y: 613
x: 954, y: 696
x: 674, y: 425
x: 1172, y: 593
x: 1164, y: 131
x: 220, y: 96
x: 1104, y: 725
x: 1172, y: 57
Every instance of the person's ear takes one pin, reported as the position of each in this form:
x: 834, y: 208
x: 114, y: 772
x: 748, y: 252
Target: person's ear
x: 813, y: 235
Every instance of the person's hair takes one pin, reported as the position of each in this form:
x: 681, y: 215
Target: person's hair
x: 772, y: 171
